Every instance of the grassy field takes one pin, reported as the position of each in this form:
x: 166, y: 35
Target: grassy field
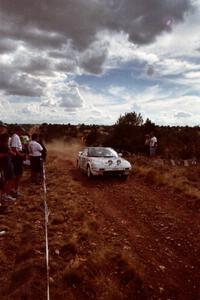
x: 183, y: 179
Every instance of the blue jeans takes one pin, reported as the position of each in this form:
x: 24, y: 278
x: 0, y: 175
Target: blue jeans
x: 152, y: 151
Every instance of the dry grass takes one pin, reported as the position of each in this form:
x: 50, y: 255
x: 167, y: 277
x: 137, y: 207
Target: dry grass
x: 184, y: 180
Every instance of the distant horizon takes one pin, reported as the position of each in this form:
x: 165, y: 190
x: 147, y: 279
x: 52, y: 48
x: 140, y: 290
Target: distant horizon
x: 77, y: 124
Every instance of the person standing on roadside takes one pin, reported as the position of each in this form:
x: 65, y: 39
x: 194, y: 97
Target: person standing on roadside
x: 16, y: 147
x: 35, y: 154
x: 7, y: 169
x: 146, y: 144
x: 44, y: 151
x: 153, y: 143
x: 44, y: 154
x: 6, y: 165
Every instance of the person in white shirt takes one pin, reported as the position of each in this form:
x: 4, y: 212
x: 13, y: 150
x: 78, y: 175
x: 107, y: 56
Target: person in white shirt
x: 153, y: 143
x: 16, y: 147
x: 35, y: 153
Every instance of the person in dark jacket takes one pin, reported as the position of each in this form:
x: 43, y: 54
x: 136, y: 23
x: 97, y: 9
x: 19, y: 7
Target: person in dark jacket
x: 44, y: 151
x: 35, y: 154
x: 16, y: 147
x: 7, y: 169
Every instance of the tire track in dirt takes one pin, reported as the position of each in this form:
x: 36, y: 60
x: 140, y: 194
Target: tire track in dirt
x: 160, y: 230
x: 108, y: 240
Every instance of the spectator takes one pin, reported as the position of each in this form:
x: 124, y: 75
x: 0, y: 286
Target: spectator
x: 147, y: 144
x: 16, y: 147
x: 3, y: 129
x: 25, y: 140
x: 6, y: 166
x: 44, y: 150
x: 153, y: 145
x: 44, y: 154
x: 35, y: 153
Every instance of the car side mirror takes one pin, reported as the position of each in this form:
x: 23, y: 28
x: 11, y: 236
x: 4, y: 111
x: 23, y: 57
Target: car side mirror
x: 120, y: 154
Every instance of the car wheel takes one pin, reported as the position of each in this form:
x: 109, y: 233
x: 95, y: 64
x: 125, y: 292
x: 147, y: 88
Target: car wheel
x: 89, y: 173
x: 125, y: 176
x: 77, y: 165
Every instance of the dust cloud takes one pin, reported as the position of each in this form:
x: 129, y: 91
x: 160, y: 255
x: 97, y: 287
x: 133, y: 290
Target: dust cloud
x: 65, y: 150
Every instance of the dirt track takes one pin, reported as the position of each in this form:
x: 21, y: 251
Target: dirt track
x: 108, y: 239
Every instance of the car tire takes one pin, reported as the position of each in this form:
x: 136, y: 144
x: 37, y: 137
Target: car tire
x: 125, y: 176
x: 77, y: 165
x: 89, y: 173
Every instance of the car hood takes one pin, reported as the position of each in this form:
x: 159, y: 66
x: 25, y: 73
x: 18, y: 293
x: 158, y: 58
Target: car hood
x: 109, y: 161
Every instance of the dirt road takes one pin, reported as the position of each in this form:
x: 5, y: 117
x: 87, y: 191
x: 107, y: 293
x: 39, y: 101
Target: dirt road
x: 108, y: 239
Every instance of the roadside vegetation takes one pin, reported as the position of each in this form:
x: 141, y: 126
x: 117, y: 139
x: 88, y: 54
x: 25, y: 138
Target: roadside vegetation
x: 182, y: 179
x: 128, y: 135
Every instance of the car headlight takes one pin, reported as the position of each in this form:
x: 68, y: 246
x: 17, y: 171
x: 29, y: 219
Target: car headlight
x: 95, y: 165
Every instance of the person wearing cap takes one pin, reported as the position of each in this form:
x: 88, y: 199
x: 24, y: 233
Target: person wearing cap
x: 16, y: 147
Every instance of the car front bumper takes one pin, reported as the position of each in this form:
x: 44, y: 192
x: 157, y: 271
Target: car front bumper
x: 106, y: 171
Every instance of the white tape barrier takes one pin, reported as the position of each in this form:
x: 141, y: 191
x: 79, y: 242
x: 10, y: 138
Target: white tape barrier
x: 46, y: 229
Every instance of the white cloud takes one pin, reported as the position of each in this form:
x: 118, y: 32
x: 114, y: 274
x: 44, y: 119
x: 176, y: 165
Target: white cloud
x: 41, y: 58
x: 193, y: 75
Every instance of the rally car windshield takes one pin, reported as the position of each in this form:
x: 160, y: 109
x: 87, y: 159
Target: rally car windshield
x: 101, y: 152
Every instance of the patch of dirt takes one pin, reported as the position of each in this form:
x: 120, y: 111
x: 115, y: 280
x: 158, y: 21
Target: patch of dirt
x: 108, y: 239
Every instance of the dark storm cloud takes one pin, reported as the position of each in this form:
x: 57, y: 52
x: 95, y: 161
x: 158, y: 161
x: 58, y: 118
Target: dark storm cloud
x: 80, y: 20
x: 32, y: 36
x: 145, y: 20
x: 57, y: 54
x: 75, y: 20
x: 66, y: 31
x: 182, y: 115
x: 7, y: 45
x: 66, y: 66
x: 38, y: 65
x: 24, y: 86
x: 13, y: 83
x: 65, y: 59
x: 92, y: 59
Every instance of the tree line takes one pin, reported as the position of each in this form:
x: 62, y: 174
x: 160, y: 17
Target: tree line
x: 128, y: 135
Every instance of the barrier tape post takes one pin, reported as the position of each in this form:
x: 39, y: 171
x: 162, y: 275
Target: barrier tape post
x: 46, y: 229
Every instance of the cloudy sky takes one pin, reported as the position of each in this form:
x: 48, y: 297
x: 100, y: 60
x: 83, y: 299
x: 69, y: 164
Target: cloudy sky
x: 88, y: 61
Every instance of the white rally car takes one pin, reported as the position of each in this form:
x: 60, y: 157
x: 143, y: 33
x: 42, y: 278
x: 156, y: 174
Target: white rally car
x: 101, y: 161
